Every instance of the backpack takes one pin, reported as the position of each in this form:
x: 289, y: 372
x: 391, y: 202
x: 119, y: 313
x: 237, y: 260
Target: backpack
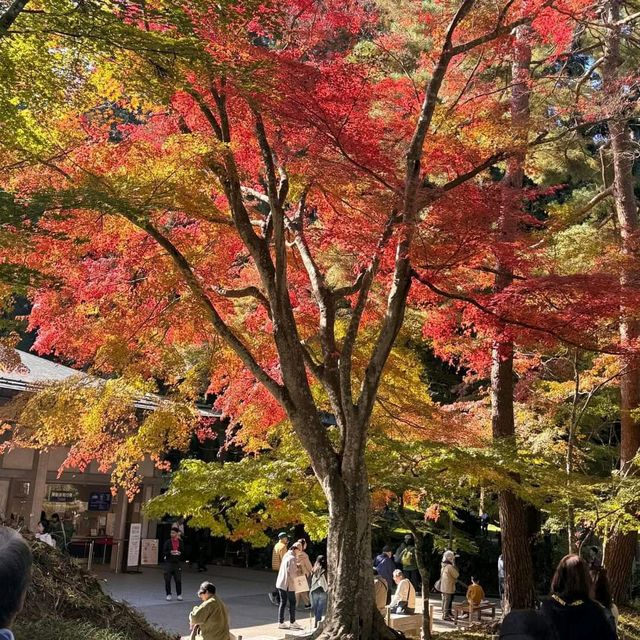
x: 408, y: 557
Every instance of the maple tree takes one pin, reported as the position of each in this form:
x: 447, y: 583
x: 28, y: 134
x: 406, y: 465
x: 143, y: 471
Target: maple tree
x: 246, y: 192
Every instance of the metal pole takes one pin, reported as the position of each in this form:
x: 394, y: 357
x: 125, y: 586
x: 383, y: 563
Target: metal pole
x: 118, y: 557
x: 90, y: 559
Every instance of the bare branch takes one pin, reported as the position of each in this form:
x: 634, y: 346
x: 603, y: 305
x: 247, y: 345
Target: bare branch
x: 246, y: 292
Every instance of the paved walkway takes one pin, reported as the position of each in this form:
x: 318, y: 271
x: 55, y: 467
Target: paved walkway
x: 244, y: 591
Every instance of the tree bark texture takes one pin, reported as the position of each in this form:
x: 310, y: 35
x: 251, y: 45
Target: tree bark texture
x: 621, y: 548
x: 519, y: 585
x: 351, y: 611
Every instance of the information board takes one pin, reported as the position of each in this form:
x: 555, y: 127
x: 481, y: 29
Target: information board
x: 135, y: 533
x: 99, y: 501
x: 149, y: 554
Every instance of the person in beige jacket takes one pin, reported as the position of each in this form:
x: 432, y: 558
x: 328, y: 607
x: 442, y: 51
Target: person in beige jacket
x: 448, y: 578
x: 305, y: 569
x: 209, y: 620
x: 404, y: 599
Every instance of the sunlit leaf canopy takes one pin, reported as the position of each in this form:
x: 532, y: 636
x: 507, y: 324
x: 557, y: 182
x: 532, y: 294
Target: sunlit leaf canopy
x: 118, y: 141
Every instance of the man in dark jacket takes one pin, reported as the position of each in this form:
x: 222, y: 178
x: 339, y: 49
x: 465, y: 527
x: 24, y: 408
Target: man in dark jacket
x: 385, y: 566
x: 172, y: 554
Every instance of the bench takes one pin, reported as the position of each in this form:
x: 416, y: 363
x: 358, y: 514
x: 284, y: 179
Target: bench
x: 470, y: 610
x: 410, y: 624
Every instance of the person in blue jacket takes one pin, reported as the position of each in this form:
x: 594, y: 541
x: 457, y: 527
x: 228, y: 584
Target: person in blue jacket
x: 385, y: 566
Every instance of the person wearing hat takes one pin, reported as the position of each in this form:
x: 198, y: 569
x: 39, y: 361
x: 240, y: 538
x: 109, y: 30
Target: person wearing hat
x: 279, y: 549
x: 172, y: 554
x: 385, y: 566
x: 209, y: 620
x: 448, y: 578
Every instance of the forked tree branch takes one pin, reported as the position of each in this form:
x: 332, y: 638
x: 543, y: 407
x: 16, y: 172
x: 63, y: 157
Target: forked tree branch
x: 225, y: 332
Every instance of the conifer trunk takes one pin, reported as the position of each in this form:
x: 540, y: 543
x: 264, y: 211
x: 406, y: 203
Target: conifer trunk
x: 621, y: 548
x: 519, y: 589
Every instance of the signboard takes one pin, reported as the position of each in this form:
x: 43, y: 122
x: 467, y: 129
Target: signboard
x: 99, y: 501
x: 150, y: 551
x: 135, y: 533
x: 59, y: 495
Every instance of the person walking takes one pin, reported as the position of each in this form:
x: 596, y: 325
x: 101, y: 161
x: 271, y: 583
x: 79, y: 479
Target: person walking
x: 209, y: 620
x: 305, y: 569
x: 15, y: 573
x: 279, y: 549
x: 501, y: 579
x: 319, y: 588
x: 172, y: 554
x: 448, y: 576
x: 285, y: 583
x: 570, y: 609
x: 385, y: 567
x: 404, y: 599
x: 602, y: 594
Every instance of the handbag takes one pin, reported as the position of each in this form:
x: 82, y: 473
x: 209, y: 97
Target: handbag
x: 438, y: 585
x: 300, y: 584
x: 194, y: 632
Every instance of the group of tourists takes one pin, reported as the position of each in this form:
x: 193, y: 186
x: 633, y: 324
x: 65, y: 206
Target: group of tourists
x: 579, y: 607
x: 298, y: 581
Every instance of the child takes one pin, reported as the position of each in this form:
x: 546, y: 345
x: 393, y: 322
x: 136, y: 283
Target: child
x: 475, y: 593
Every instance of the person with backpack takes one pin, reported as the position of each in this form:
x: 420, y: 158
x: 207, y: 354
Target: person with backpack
x: 409, y: 564
x: 570, y: 609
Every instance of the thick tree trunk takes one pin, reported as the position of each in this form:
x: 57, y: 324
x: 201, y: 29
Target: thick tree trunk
x: 519, y: 589
x: 516, y: 551
x: 351, y: 611
x: 621, y: 548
